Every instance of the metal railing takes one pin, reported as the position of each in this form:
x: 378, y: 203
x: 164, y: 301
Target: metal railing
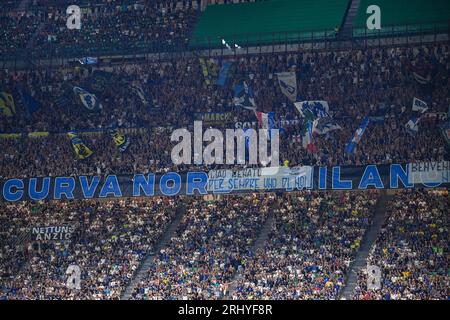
x: 360, y: 37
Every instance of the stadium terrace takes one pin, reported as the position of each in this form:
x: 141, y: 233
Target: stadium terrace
x: 102, y: 198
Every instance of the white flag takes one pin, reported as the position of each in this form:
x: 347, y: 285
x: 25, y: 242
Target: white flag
x: 419, y: 105
x: 288, y: 84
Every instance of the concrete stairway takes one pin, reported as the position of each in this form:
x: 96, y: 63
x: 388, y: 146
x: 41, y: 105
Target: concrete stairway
x: 264, y: 234
x: 258, y: 244
x: 366, y: 244
x: 148, y: 259
x: 346, y: 30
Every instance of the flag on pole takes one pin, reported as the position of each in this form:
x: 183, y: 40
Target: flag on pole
x: 266, y: 120
x: 357, y: 136
x: 88, y: 100
x: 419, y: 105
x: 307, y: 138
x: 445, y: 129
x: 288, y: 84
x: 81, y: 150
x: 422, y: 79
x: 313, y: 109
x: 325, y: 125
x: 244, y: 96
x: 224, y: 73
x: 412, y: 126
x: 29, y: 102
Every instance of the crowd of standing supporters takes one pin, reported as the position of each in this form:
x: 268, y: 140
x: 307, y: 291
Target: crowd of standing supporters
x: 314, y: 238
x: 110, y: 240
x: 375, y: 82
x: 213, y: 240
x: 104, y: 26
x: 411, y: 250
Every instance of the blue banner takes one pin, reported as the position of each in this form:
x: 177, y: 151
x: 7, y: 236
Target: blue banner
x: 394, y: 176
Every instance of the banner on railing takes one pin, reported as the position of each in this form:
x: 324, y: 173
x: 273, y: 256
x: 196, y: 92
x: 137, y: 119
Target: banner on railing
x: 394, y: 176
x: 260, y: 179
x: 52, y: 233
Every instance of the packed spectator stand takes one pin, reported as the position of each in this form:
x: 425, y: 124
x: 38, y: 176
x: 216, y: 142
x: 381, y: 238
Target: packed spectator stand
x: 411, y: 250
x: 109, y: 242
x: 309, y: 251
x: 315, y: 235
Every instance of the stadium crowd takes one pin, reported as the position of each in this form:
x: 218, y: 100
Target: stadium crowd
x: 376, y: 82
x: 411, y: 250
x: 314, y: 238
x: 211, y: 243
x: 110, y: 240
x: 105, y: 25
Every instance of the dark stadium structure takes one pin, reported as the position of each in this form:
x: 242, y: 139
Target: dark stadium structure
x: 358, y: 208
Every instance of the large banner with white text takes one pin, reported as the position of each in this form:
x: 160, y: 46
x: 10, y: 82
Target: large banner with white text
x: 394, y: 176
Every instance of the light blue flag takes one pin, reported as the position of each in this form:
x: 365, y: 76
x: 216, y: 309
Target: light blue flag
x: 357, y: 136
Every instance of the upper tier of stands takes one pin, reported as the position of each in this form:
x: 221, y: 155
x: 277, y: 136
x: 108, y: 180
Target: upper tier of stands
x: 269, y: 21
x: 111, y: 27
x: 404, y: 16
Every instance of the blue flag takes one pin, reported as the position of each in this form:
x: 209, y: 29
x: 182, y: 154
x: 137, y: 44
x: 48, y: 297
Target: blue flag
x: 244, y: 96
x: 222, y: 78
x: 87, y: 99
x: 350, y: 147
x: 28, y: 101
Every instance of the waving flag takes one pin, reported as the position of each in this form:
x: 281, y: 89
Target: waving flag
x: 325, y: 125
x: 99, y: 81
x: 88, y: 60
x: 62, y: 101
x: 120, y: 140
x: 88, y: 100
x: 313, y: 109
x: 244, y: 96
x: 445, y: 129
x: 288, y: 84
x: 209, y: 69
x: 357, y: 136
x: 139, y: 90
x: 412, y: 126
x: 307, y: 137
x: 422, y: 79
x: 81, y: 150
x: 29, y: 102
x: 7, y: 104
x: 266, y: 120
x: 419, y: 105
x: 224, y: 73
